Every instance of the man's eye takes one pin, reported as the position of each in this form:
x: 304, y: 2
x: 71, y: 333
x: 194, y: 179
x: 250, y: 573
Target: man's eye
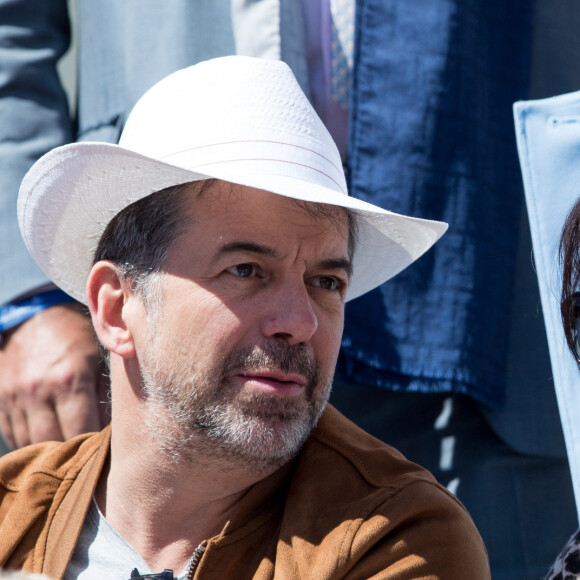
x: 327, y: 283
x: 243, y: 270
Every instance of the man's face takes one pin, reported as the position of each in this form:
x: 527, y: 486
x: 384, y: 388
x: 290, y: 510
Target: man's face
x: 237, y: 362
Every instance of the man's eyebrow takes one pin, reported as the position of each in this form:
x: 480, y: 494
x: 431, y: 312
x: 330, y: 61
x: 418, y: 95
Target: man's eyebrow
x: 241, y: 246
x: 252, y: 247
x: 337, y: 264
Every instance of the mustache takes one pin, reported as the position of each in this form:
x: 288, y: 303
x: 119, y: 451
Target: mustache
x: 274, y: 355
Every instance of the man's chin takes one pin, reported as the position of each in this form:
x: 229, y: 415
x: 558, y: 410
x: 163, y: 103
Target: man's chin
x: 261, y: 438
x: 265, y: 431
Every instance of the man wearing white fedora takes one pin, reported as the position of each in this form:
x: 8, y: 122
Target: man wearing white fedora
x: 215, y: 247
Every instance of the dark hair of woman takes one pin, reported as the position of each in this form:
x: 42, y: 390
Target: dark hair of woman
x: 570, y: 260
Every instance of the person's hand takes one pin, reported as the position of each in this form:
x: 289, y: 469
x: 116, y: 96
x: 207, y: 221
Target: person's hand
x: 51, y: 379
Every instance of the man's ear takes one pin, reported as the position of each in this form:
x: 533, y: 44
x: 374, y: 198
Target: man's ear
x: 107, y: 295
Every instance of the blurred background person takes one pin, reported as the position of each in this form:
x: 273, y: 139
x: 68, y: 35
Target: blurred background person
x: 567, y: 564
x: 548, y: 133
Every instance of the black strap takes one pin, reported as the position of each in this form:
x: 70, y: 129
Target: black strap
x: 165, y: 575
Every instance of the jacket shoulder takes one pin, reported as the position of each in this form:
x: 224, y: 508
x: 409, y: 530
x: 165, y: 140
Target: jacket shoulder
x: 374, y: 462
x: 359, y: 499
x: 51, y: 460
x: 35, y: 486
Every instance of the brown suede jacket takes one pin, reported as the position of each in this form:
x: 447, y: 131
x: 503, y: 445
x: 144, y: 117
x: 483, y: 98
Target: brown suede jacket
x: 349, y: 507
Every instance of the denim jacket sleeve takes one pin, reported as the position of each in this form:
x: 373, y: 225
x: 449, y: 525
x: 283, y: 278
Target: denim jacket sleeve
x: 34, y: 118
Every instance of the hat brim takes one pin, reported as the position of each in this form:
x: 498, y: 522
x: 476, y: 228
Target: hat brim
x: 95, y: 181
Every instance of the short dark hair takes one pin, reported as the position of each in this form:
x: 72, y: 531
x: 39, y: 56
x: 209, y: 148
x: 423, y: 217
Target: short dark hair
x: 139, y: 237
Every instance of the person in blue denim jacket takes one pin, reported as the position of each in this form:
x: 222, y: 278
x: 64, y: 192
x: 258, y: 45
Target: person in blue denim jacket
x: 424, y: 358
x: 437, y: 362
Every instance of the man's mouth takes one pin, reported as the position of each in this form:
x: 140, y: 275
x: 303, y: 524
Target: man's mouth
x: 274, y: 381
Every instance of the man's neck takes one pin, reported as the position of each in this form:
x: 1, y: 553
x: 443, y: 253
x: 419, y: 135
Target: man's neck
x: 162, y: 507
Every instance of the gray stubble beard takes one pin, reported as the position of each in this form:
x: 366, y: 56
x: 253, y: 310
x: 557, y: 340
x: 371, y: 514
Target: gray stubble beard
x: 199, y: 418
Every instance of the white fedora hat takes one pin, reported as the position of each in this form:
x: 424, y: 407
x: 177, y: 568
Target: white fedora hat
x: 238, y: 119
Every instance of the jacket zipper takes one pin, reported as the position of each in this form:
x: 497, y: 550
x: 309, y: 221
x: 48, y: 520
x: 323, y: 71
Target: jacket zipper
x: 195, y: 560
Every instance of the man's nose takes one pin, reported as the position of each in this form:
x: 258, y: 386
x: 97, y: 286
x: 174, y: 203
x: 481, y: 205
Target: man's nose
x: 289, y: 314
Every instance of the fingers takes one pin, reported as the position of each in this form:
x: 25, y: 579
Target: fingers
x: 23, y: 426
x: 55, y: 410
x: 57, y: 418
x: 49, y: 379
x: 78, y: 410
x: 6, y: 429
x: 42, y: 423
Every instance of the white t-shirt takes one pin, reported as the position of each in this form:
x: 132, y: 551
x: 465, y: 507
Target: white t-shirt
x: 103, y: 553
